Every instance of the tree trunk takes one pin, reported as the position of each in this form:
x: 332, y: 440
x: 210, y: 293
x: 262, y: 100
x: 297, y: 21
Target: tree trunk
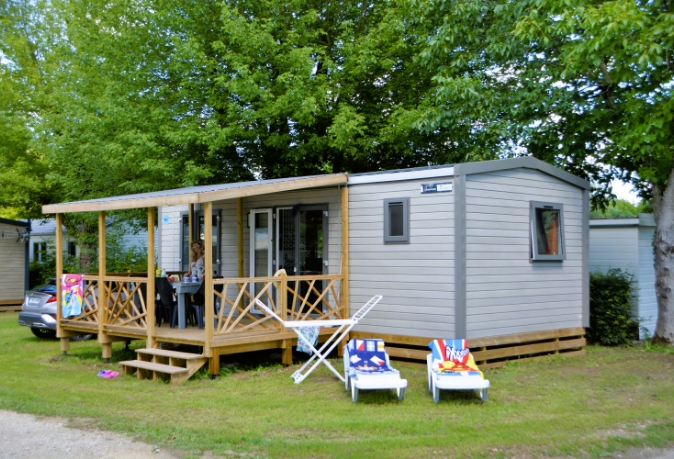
x: 663, y: 250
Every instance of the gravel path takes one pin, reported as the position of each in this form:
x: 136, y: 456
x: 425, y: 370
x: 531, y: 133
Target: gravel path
x: 24, y: 436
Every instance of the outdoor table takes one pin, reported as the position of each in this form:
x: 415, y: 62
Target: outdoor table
x: 182, y: 289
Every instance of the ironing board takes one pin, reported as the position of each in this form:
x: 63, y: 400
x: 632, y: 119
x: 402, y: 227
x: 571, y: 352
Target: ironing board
x: 344, y: 327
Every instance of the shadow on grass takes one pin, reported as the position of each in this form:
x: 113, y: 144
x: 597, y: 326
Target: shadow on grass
x: 459, y: 397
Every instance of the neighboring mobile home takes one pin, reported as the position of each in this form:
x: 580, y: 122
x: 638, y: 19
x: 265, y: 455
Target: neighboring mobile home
x: 14, y: 236
x: 495, y: 252
x: 43, y: 237
x: 627, y: 244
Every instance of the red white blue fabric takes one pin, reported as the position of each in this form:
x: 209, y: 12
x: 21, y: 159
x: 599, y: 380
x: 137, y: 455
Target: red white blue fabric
x: 368, y: 356
x: 452, y: 357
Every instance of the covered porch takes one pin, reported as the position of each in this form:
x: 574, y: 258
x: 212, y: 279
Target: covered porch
x: 126, y: 307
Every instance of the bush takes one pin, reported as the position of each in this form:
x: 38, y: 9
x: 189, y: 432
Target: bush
x: 612, y: 320
x: 119, y: 259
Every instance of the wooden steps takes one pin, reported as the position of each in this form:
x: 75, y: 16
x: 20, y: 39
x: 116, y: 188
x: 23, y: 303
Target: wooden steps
x: 164, y: 364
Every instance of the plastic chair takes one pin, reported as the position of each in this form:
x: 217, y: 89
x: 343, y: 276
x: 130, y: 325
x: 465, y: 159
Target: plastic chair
x: 451, y: 366
x: 344, y: 327
x: 167, y: 310
x: 367, y: 367
x: 199, y: 300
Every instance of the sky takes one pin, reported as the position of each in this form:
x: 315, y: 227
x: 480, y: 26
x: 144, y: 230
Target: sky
x: 624, y: 191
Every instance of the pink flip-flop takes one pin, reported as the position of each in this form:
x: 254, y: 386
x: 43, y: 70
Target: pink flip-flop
x: 111, y: 374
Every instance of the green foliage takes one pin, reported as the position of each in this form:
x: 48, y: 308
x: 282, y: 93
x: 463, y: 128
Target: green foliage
x: 582, y: 84
x: 119, y: 259
x: 227, y: 91
x: 619, y: 209
x: 612, y: 321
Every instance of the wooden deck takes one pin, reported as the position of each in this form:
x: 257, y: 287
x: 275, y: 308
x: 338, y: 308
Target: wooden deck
x: 11, y: 305
x: 232, y: 324
x: 494, y: 351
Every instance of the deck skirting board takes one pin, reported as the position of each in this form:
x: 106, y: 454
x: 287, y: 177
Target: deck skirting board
x: 491, y: 352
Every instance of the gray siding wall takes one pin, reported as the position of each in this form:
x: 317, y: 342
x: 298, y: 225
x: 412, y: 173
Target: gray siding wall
x: 505, y: 292
x: 416, y: 279
x: 168, y: 256
x: 648, y: 305
x: 614, y: 247
x: 12, y: 264
x: 630, y: 249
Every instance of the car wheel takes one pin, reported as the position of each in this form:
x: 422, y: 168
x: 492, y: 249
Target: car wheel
x: 83, y: 337
x: 44, y: 333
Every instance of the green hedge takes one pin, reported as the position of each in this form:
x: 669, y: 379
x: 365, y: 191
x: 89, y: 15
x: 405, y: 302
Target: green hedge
x: 612, y: 320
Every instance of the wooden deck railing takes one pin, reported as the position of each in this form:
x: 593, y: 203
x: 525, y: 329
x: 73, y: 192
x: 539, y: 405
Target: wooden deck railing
x: 126, y: 302
x: 305, y: 298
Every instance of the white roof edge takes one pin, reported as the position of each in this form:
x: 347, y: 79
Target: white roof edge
x: 641, y: 220
x: 381, y: 177
x: 614, y: 222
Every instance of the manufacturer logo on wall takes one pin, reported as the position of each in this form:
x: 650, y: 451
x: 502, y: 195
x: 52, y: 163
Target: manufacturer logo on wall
x: 445, y: 187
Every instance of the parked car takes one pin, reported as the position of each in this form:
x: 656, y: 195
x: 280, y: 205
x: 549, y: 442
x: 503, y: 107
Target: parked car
x: 39, y: 312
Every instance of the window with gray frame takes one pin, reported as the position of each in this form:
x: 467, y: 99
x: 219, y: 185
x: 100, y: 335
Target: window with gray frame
x: 396, y: 220
x: 547, y: 231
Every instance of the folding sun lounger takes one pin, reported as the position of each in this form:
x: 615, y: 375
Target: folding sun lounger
x: 344, y: 326
x: 367, y: 367
x: 451, y: 366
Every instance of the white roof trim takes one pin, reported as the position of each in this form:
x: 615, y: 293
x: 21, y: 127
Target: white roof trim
x: 381, y: 177
x: 642, y: 220
x: 614, y: 222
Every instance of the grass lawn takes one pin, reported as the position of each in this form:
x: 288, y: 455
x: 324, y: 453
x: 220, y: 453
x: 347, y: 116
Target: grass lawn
x: 585, y: 406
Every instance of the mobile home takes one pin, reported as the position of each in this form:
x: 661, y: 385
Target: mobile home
x: 14, y: 236
x: 627, y: 244
x: 495, y: 252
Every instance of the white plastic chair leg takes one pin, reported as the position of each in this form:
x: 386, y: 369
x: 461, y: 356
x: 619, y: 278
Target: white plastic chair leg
x: 320, y: 354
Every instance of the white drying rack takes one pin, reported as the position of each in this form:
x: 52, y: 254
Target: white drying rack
x: 345, y: 326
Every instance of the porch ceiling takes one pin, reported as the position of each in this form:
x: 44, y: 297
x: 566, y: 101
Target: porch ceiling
x: 197, y: 194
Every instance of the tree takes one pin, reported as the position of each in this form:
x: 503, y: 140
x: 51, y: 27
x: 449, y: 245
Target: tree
x: 127, y: 97
x: 622, y: 209
x: 590, y: 91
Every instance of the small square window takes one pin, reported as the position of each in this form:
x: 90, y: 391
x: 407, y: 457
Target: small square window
x: 396, y: 220
x: 547, y: 231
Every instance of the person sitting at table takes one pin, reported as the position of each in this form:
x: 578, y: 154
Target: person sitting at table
x: 197, y: 267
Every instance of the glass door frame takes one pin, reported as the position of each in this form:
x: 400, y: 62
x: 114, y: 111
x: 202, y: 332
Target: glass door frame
x: 296, y: 221
x: 252, y: 249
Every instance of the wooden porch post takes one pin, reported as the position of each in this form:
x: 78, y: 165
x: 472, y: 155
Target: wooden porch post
x: 239, y: 214
x: 65, y: 340
x: 208, y: 279
x: 287, y: 356
x: 345, y: 252
x: 346, y: 312
x: 151, y: 296
x: 105, y: 340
